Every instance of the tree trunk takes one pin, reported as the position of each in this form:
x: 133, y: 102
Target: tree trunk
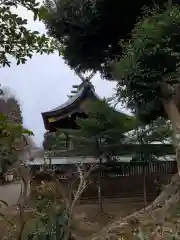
x: 100, y: 195
x: 156, y: 213
x: 99, y: 156
x: 144, y: 187
x: 99, y: 188
x: 166, y: 204
x: 174, y: 116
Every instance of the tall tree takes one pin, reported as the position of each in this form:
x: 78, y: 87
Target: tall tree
x: 102, y: 133
x: 148, y: 71
x: 11, y: 152
x: 10, y: 108
x: 19, y: 43
x: 89, y: 31
x: 103, y: 130
x: 148, y: 80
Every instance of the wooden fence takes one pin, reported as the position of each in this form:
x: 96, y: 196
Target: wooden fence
x: 134, y: 169
x: 124, y: 179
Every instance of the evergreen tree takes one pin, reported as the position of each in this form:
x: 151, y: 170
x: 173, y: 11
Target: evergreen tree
x: 104, y: 129
x: 148, y: 81
x: 102, y: 133
x: 89, y: 31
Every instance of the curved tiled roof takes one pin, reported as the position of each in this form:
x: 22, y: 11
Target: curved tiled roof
x: 86, y: 91
x: 88, y: 87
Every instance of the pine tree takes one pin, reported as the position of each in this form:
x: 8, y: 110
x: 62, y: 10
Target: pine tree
x: 102, y: 133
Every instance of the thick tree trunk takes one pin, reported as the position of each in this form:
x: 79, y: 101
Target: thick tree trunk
x: 156, y: 213
x: 165, y: 205
x: 174, y: 116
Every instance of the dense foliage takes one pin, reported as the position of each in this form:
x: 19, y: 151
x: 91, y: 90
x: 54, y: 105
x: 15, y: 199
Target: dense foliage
x: 10, y: 108
x: 104, y: 130
x: 158, y: 131
x: 51, y: 222
x: 89, y: 31
x: 149, y: 67
x: 10, y: 141
x: 17, y: 41
x: 55, y: 141
x: 20, y: 43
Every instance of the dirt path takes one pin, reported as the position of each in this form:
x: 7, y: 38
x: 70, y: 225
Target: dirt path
x: 10, y: 193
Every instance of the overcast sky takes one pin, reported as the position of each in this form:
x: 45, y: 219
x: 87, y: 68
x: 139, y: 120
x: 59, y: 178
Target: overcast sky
x: 43, y: 83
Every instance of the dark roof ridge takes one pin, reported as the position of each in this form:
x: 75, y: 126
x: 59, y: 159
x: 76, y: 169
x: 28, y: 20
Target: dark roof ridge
x: 86, y: 87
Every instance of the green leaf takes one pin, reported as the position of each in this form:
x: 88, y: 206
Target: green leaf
x: 17, y: 41
x: 43, y: 13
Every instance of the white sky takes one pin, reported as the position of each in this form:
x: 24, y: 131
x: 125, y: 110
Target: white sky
x: 43, y: 83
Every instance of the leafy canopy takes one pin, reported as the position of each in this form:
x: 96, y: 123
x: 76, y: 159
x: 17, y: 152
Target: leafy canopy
x: 17, y: 41
x: 159, y: 131
x: 150, y: 61
x: 89, y: 31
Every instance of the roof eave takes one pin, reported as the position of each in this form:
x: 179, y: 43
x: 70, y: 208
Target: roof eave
x: 67, y: 107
